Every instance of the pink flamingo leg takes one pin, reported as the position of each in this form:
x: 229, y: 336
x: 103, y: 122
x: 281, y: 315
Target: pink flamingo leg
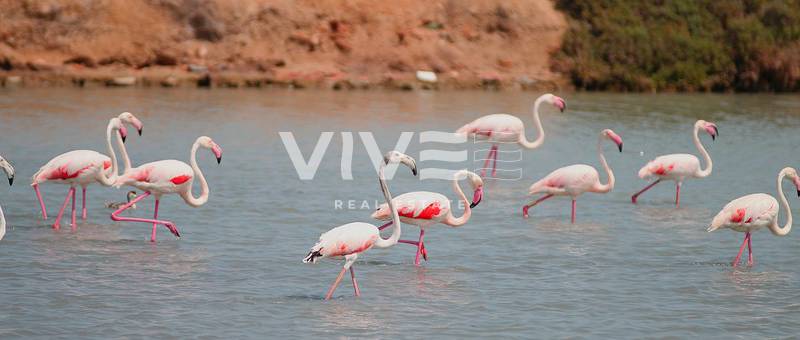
x: 335, y: 284
x: 573, y: 210
x: 529, y: 205
x: 115, y: 216
x: 636, y: 195
x: 494, y: 162
x: 749, y: 249
x: 678, y: 195
x: 741, y: 250
x: 419, y: 246
x: 41, y: 201
x: 74, y: 223
x: 57, y: 224
x: 84, y: 204
x: 355, y: 283
x: 155, y: 217
x: 492, y: 151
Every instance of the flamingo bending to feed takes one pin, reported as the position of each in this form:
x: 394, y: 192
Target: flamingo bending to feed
x: 679, y: 166
x: 504, y: 128
x: 425, y: 208
x: 9, y: 170
x: 84, y: 167
x: 352, y: 239
x: 573, y: 180
x: 755, y: 211
x: 167, y: 177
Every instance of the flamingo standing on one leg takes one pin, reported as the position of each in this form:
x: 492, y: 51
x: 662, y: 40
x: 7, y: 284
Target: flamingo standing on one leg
x: 680, y: 166
x: 352, y: 239
x: 167, y: 177
x: 425, y: 208
x: 573, y: 180
x: 504, y: 128
x: 9, y: 170
x: 84, y: 167
x: 755, y: 211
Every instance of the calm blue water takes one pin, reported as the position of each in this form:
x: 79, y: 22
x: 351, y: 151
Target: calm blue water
x: 621, y: 271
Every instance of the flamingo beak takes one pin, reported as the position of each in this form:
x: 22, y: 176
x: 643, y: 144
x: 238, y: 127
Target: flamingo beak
x: 560, y: 104
x: 477, y: 197
x: 712, y: 130
x: 620, y: 146
x: 11, y: 181
x: 217, y: 150
x: 797, y: 184
x: 140, y: 131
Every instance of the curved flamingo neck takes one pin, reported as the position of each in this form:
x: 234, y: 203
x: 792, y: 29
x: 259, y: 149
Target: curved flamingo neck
x: 782, y: 231
x: 537, y: 122
x: 102, y: 178
x: 187, y: 195
x: 603, y: 188
x: 459, y: 221
x: 392, y: 240
x: 126, y: 162
x: 709, y: 165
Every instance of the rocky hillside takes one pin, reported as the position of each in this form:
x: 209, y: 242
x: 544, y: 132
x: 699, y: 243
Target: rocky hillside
x: 302, y: 43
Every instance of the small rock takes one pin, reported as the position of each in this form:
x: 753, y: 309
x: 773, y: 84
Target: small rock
x: 204, y: 81
x: 82, y: 60
x: 342, y: 45
x: 12, y: 81
x: 505, y: 63
x: 195, y: 68
x: 426, y: 76
x: 40, y: 65
x: 122, y: 81
x: 169, y: 81
x: 165, y: 59
x: 201, y: 51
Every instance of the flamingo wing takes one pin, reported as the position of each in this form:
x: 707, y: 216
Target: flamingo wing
x: 165, y: 175
x: 70, y: 165
x: 671, y: 166
x: 422, y: 205
x: 495, y: 127
x: 572, y: 178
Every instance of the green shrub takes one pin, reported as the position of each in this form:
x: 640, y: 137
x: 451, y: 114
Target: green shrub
x: 681, y: 45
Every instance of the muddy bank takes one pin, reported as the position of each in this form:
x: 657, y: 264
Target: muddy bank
x: 302, y: 44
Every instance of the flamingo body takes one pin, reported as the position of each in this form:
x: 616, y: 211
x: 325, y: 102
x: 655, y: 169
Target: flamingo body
x: 160, y: 177
x: 419, y: 208
x: 495, y: 128
x: 77, y: 167
x: 348, y: 239
x: 748, y: 213
x: 571, y: 180
x: 672, y: 167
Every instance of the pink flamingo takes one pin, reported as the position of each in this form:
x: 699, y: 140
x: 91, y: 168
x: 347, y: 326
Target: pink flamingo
x: 504, y: 128
x: 573, y: 180
x: 9, y: 170
x: 425, y: 208
x: 84, y: 167
x: 680, y: 166
x: 755, y: 211
x: 352, y: 239
x: 167, y: 177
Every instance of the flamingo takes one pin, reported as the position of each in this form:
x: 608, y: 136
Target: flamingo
x: 167, y: 177
x: 680, y: 166
x: 425, y: 208
x: 9, y: 170
x: 352, y: 239
x: 504, y: 128
x: 574, y: 180
x: 755, y: 211
x: 84, y: 167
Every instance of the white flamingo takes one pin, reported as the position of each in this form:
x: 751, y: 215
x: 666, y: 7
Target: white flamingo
x: 425, y: 209
x: 678, y: 167
x: 167, y: 177
x: 755, y: 211
x: 504, y: 128
x: 574, y: 180
x: 9, y: 170
x: 84, y: 167
x: 352, y: 239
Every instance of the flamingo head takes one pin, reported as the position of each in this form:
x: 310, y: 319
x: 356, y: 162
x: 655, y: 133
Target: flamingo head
x: 399, y: 157
x: 118, y: 125
x: 792, y: 173
x: 382, y: 213
x: 477, y: 186
x: 8, y: 169
x: 209, y: 143
x: 710, y: 128
x: 556, y: 101
x: 614, y: 137
x: 131, y: 195
x: 129, y: 118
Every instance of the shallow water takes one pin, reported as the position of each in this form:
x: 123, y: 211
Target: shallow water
x: 634, y: 270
